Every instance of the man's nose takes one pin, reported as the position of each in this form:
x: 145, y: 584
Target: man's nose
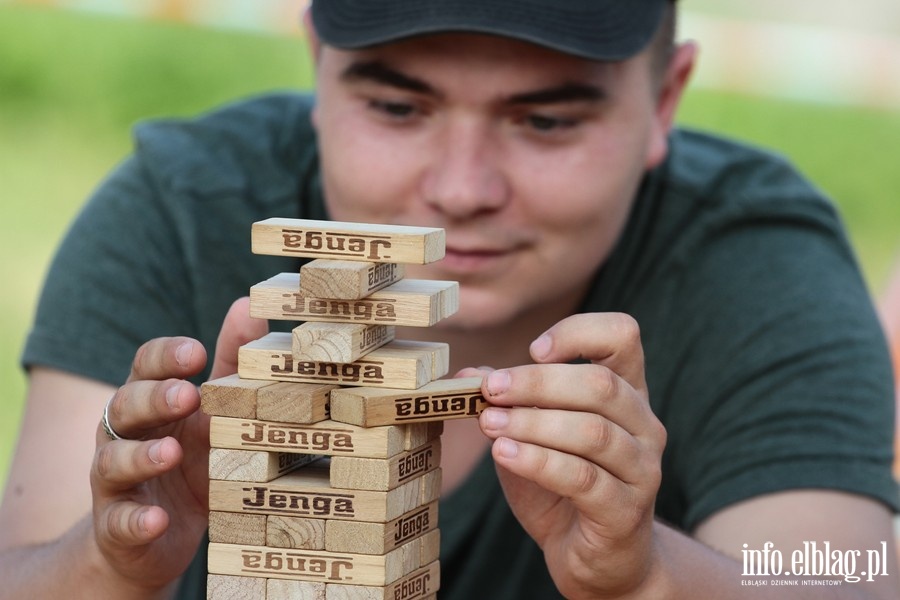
x: 465, y: 176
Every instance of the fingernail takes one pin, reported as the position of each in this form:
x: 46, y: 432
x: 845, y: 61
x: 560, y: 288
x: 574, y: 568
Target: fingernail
x: 541, y: 346
x: 172, y: 397
x: 155, y: 453
x: 507, y: 448
x: 498, y: 382
x: 496, y: 418
x: 183, y: 354
x: 141, y: 521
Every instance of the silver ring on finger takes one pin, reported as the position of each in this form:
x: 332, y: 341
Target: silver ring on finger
x: 107, y: 427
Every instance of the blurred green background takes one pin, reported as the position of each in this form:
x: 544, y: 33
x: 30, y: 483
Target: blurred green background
x: 72, y: 84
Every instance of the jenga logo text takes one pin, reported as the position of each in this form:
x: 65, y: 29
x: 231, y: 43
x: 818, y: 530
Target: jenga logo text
x: 260, y: 498
x: 406, y: 528
x: 414, y: 587
x: 460, y: 405
x: 327, y: 371
x: 363, y: 311
x: 295, y: 438
x: 371, y: 248
x: 416, y: 463
x: 381, y: 273
x: 286, y: 561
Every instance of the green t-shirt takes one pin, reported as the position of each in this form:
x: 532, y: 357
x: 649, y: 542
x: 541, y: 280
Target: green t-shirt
x: 764, y: 358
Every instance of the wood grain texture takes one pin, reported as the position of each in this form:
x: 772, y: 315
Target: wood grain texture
x: 400, y: 364
x: 307, y: 493
x: 295, y: 532
x: 346, y: 279
x: 286, y: 589
x: 379, y: 538
x: 314, y: 565
x: 411, y: 302
x: 237, y: 528
x: 303, y: 403
x: 235, y: 587
x: 253, y: 465
x: 421, y: 584
x: 326, y: 438
x: 384, y: 474
x: 347, y: 241
x: 231, y: 396
x: 437, y: 401
x: 338, y: 342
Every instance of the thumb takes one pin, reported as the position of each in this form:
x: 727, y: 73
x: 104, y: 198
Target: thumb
x: 238, y: 328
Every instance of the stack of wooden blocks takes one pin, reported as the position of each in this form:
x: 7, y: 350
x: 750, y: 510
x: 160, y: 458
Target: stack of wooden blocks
x: 325, y: 446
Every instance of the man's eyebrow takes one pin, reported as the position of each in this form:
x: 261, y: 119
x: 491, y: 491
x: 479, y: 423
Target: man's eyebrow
x: 567, y: 92
x: 378, y: 72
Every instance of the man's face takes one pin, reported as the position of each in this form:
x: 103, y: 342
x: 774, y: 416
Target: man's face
x: 528, y: 158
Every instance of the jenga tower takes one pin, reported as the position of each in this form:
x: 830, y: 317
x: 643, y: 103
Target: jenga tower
x: 325, y: 447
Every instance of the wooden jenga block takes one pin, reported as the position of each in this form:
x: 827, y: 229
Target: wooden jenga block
x: 420, y: 433
x: 325, y: 438
x: 253, y: 465
x: 349, y: 241
x: 231, y: 396
x: 430, y: 488
x: 338, y: 342
x: 440, y: 400
x: 313, y: 565
x: 430, y: 547
x: 286, y: 589
x: 384, y: 474
x: 294, y: 532
x: 293, y: 402
x: 234, y: 587
x: 421, y: 584
x: 237, y: 528
x: 307, y: 493
x: 346, y: 279
x: 411, y: 302
x: 380, y: 538
x: 403, y: 365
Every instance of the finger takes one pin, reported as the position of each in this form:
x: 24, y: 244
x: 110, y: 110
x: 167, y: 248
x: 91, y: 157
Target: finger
x: 473, y: 372
x: 238, y: 328
x: 168, y: 357
x: 591, y: 489
x: 128, y: 523
x: 140, y: 406
x: 588, y: 436
x: 609, y: 339
x: 581, y: 388
x: 121, y: 465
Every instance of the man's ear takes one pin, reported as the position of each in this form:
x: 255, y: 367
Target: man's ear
x: 672, y: 86
x: 315, y: 48
x: 312, y: 38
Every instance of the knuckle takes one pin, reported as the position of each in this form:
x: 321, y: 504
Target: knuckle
x: 104, y: 461
x: 598, y: 434
x: 604, y: 381
x: 584, y: 478
x: 628, y: 329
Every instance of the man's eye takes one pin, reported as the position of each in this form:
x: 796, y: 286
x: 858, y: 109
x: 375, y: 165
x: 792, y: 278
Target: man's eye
x: 392, y: 109
x: 545, y: 123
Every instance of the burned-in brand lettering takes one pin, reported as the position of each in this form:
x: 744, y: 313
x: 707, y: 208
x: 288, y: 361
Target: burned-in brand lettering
x: 445, y: 405
x: 416, y: 463
x: 328, y: 243
x: 286, y: 561
x: 362, y: 311
x: 369, y: 372
x: 265, y: 500
x: 406, y: 528
x: 414, y: 587
x: 264, y: 433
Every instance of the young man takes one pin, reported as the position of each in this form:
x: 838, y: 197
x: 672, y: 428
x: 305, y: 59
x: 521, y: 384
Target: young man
x: 682, y: 360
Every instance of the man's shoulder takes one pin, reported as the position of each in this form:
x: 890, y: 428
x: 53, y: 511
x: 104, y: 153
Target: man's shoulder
x: 234, y: 147
x: 726, y: 172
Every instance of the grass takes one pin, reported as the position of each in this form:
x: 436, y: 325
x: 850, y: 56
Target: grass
x: 71, y: 85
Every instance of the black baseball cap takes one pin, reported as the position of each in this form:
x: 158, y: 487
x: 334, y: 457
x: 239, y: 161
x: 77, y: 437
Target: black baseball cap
x: 595, y: 29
